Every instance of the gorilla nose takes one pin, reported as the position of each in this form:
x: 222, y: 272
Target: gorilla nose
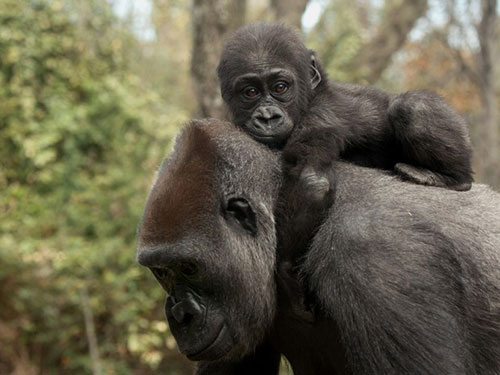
x: 162, y: 259
x: 183, y: 311
x: 266, y: 117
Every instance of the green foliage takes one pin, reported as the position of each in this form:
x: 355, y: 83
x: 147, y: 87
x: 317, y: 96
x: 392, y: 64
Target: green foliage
x: 337, y: 38
x: 79, y: 140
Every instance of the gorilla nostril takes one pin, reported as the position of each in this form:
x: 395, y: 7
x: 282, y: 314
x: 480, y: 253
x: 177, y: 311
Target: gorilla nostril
x: 265, y: 122
x: 184, y: 311
x: 179, y: 313
x: 274, y: 118
x: 267, y: 119
x: 187, y: 318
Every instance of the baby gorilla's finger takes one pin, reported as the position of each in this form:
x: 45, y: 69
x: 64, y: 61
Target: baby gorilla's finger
x: 316, y: 185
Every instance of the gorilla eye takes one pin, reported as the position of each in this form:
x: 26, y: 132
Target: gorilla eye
x: 280, y: 87
x: 240, y: 211
x: 251, y: 92
x: 188, y: 269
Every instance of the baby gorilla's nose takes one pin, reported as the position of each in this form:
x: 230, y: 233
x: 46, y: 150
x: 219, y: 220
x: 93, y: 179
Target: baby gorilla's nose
x: 267, y: 117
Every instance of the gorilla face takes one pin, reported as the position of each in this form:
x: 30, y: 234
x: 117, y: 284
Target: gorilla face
x: 262, y: 101
x: 207, y: 235
x: 267, y: 76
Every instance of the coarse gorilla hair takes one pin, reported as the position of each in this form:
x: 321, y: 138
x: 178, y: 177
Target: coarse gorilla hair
x: 404, y: 279
x: 195, y: 239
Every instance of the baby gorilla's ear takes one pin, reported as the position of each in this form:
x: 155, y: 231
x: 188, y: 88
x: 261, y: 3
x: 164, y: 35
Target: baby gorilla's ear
x: 315, y: 75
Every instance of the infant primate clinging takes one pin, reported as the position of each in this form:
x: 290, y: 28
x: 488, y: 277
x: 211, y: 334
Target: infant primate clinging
x: 277, y: 91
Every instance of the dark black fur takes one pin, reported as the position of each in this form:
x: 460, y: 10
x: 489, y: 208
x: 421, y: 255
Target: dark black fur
x: 317, y: 121
x: 405, y: 279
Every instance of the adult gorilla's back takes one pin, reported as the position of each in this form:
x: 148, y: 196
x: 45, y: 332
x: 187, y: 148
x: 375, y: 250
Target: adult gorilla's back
x: 404, y: 279
x: 410, y: 275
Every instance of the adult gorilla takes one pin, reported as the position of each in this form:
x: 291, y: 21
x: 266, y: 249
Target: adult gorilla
x: 403, y: 279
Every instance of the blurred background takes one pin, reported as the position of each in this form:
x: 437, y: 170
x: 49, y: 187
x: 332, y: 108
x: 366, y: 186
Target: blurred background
x: 91, y: 94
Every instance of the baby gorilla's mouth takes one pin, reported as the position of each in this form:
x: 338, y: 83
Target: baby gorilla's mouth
x: 217, y: 347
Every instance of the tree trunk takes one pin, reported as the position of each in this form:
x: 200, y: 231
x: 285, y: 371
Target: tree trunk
x: 397, y: 22
x: 212, y: 20
x: 487, y: 152
x: 90, y: 330
x: 289, y: 11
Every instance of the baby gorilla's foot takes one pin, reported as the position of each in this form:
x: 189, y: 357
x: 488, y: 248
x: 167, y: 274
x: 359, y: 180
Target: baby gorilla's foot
x: 316, y: 185
x: 424, y: 176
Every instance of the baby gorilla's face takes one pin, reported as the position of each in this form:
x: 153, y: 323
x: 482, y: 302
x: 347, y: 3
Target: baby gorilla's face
x: 267, y: 77
x: 262, y: 100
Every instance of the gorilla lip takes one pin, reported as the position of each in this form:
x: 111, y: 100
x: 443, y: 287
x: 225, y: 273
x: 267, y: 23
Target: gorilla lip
x: 269, y: 140
x: 211, y: 349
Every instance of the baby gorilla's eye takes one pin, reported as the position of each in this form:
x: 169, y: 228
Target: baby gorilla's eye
x: 251, y: 92
x: 280, y: 87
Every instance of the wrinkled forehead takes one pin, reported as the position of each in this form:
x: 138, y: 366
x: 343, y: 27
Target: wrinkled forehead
x: 210, y: 159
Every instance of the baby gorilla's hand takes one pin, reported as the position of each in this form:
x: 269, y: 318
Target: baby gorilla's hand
x: 308, y: 158
x: 315, y: 184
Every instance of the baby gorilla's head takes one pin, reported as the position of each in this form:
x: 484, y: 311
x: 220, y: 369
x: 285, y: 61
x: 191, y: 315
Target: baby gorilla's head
x: 267, y: 76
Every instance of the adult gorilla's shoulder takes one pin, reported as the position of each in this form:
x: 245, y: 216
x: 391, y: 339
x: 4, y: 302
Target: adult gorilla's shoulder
x: 411, y: 275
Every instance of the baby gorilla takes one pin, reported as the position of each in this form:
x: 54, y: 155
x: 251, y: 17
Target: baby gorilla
x: 277, y: 91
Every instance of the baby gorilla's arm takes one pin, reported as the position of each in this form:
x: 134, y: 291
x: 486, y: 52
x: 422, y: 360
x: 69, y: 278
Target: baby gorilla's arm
x: 305, y: 199
x: 416, y: 134
x: 308, y: 158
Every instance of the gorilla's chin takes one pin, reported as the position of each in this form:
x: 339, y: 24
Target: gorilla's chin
x: 213, y: 348
x: 200, y: 329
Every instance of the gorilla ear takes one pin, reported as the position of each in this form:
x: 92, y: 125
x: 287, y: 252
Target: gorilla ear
x: 315, y: 76
x: 240, y: 210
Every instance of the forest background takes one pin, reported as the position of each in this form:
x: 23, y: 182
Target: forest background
x: 92, y: 93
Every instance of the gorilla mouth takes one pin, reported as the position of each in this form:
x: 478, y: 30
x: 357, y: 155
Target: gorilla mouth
x: 263, y: 137
x: 215, y: 349
x: 270, y: 140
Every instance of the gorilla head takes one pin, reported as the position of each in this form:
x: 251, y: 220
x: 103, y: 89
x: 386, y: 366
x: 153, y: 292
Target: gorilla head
x: 267, y: 76
x: 208, y: 216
